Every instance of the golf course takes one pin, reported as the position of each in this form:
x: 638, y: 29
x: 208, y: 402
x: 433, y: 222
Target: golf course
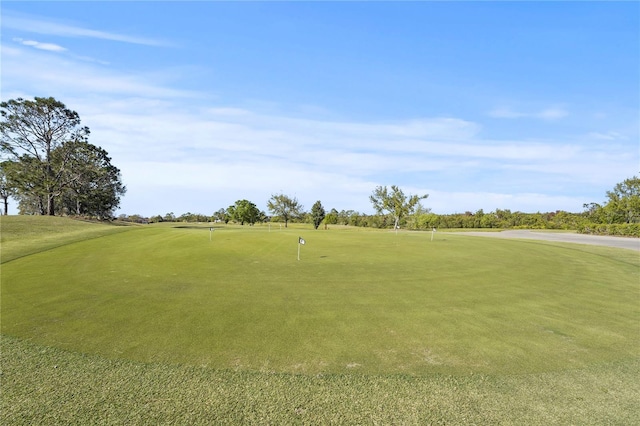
x: 190, y: 323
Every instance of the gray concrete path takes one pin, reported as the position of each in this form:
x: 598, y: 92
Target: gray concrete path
x: 563, y: 237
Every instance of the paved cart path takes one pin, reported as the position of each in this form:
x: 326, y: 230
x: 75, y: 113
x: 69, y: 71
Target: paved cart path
x: 562, y: 237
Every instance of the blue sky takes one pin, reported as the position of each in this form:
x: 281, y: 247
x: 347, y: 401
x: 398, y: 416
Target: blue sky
x: 529, y: 106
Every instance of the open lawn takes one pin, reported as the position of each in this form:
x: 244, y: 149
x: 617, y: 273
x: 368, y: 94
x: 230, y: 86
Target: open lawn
x: 161, y: 324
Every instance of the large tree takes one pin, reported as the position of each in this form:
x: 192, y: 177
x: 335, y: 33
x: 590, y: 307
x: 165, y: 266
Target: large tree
x: 91, y: 184
x: 244, y: 211
x: 284, y: 206
x: 317, y: 214
x: 36, y: 129
x: 394, y: 202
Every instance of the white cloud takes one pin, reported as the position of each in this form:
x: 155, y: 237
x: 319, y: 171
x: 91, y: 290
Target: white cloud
x: 553, y: 113
x: 37, y: 25
x: 223, y: 153
x: 550, y: 113
x: 23, y: 68
x: 607, y: 136
x: 42, y: 46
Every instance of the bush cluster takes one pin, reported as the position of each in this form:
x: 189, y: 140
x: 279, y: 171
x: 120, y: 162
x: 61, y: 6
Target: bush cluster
x: 615, y: 229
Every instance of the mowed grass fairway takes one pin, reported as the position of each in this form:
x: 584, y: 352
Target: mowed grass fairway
x: 162, y: 324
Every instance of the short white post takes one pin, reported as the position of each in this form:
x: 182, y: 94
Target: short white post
x: 300, y: 242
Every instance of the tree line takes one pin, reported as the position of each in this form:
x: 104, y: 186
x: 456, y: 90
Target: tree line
x: 619, y: 215
x: 49, y: 166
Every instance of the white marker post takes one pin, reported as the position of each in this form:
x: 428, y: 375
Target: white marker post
x: 433, y: 231
x: 301, y: 241
x: 210, y: 232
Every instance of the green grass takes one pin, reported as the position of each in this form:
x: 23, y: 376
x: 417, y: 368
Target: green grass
x: 162, y: 325
x: 24, y: 235
x: 44, y: 385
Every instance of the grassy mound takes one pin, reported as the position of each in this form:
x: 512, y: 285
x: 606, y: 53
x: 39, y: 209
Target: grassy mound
x: 24, y: 235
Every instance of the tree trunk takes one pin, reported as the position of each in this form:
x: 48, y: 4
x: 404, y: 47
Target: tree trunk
x: 50, y: 205
x: 41, y: 206
x: 5, y: 200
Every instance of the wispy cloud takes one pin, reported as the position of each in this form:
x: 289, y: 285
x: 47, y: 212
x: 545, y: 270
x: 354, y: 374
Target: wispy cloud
x: 45, y: 26
x: 23, y: 68
x: 550, y: 113
x: 245, y: 152
x: 42, y: 46
x: 607, y: 136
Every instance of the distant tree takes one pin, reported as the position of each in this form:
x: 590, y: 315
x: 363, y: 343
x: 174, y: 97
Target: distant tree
x: 36, y: 129
x: 345, y: 217
x: 596, y: 213
x: 417, y: 217
x: 394, y: 202
x: 169, y: 217
x: 286, y: 207
x: 136, y: 218
x: 156, y: 219
x: 221, y: 215
x: 331, y: 218
x: 244, y: 211
x: 317, y: 214
x: 624, y: 201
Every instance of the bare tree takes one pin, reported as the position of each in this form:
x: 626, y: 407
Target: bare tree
x: 394, y: 202
x: 285, y: 207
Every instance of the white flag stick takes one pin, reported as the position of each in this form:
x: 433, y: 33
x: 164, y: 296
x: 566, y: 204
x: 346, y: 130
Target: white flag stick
x: 300, y: 242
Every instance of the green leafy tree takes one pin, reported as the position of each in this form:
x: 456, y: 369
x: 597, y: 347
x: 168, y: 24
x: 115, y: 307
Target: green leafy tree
x: 6, y: 188
x: 317, y: 214
x: 92, y: 185
x: 25, y: 178
x: 244, y: 211
x: 156, y: 219
x: 594, y: 213
x: 285, y: 207
x: 263, y: 217
x: 332, y: 217
x: 394, y: 202
x: 36, y: 129
x: 624, y: 201
x: 221, y: 215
